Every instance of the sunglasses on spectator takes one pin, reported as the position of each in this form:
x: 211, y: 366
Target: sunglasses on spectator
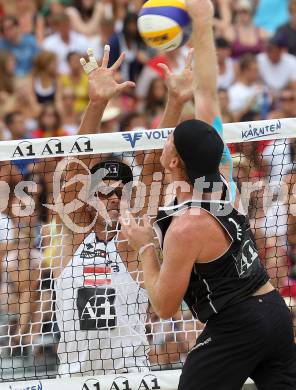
x: 107, y: 191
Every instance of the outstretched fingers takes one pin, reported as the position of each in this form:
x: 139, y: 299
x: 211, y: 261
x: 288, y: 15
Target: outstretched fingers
x: 189, y: 59
x: 165, y: 68
x: 106, y: 55
x: 91, y: 65
x: 117, y: 64
x: 126, y: 85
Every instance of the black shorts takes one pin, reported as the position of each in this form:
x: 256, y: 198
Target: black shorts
x: 251, y: 339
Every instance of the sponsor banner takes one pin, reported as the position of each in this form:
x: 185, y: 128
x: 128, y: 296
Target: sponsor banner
x: 154, y: 380
x: 260, y: 130
x: 136, y: 140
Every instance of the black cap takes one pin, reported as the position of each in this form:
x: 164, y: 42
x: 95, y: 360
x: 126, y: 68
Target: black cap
x: 117, y: 170
x: 200, y: 147
x: 278, y: 40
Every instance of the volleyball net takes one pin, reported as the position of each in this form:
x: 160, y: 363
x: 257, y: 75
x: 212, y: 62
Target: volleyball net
x: 72, y: 302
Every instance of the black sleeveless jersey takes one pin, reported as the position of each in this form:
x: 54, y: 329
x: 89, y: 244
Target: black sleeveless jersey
x: 229, y: 279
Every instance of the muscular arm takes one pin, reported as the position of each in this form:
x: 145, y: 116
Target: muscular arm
x: 166, y: 284
x: 205, y: 76
x: 180, y: 91
x: 102, y: 88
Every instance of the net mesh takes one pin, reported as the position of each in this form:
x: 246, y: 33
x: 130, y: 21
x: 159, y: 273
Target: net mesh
x: 73, y: 303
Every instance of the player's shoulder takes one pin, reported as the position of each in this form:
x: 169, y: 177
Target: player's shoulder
x: 191, y: 222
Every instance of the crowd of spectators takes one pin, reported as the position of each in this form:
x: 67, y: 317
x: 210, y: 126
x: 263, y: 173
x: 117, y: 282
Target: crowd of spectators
x: 44, y: 91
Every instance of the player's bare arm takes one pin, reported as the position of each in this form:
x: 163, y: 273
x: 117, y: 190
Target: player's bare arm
x: 180, y: 91
x: 205, y: 78
x: 167, y: 283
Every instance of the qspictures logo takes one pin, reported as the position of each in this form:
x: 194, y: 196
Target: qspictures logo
x: 254, y: 133
x: 147, y: 382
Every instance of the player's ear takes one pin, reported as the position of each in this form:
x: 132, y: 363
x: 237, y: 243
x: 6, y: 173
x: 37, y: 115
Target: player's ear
x: 175, y: 162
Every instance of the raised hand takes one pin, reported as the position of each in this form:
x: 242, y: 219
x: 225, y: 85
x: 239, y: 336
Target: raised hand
x: 102, y: 84
x: 180, y: 86
x: 203, y: 10
x: 137, y: 235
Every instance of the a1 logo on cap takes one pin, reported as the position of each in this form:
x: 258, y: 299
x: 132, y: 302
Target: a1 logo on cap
x: 113, y: 169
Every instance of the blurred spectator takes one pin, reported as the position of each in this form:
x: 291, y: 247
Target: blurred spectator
x: 7, y: 82
x: 117, y: 11
x: 278, y: 157
x: 285, y: 105
x: 6, y: 231
x: 223, y: 15
x: 175, y: 60
x: 26, y: 12
x: 22, y: 46
x: 25, y: 102
x: 49, y: 123
x: 276, y: 67
x: 16, y: 125
x: 70, y: 118
x: 76, y: 80
x: 64, y: 41
x: 45, y: 77
x: 49, y: 9
x: 23, y: 264
x: 102, y: 36
x: 9, y: 175
x: 129, y: 122
x: 110, y: 119
x: 288, y: 30
x: 227, y: 116
x: 243, y: 35
x: 130, y: 42
x: 243, y: 93
x: 128, y: 102
x: 270, y: 15
x: 7, y: 68
x: 85, y: 16
x: 38, y: 196
x: 133, y: 120
x: 291, y: 181
x: 252, y: 152
x: 155, y: 99
x: 226, y: 64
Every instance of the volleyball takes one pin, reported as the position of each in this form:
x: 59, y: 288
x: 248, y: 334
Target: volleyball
x: 164, y: 24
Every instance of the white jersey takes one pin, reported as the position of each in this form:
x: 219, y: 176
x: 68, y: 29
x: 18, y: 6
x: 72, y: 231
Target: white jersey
x: 101, y: 313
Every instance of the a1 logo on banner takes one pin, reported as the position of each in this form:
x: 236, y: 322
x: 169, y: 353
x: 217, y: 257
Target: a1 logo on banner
x: 147, y: 382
